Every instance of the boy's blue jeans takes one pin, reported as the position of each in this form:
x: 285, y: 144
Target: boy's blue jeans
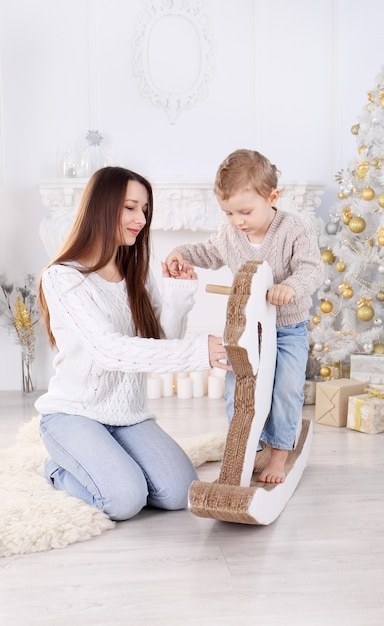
x: 118, y: 469
x: 288, y: 396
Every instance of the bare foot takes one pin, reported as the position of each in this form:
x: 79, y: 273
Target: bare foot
x: 274, y: 472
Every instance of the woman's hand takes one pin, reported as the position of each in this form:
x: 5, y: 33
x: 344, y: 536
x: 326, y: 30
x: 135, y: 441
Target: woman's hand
x: 217, y: 353
x: 174, y: 263
x: 185, y: 271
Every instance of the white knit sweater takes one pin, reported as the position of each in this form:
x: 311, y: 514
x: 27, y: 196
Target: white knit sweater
x: 289, y: 246
x: 100, y: 367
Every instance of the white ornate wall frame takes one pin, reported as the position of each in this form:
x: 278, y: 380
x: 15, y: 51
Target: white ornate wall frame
x: 178, y: 206
x: 1, y: 131
x: 174, y: 54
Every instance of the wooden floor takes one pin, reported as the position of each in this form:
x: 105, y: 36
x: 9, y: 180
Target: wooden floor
x: 320, y: 564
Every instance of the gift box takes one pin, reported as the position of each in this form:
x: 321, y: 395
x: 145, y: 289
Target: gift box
x: 366, y: 412
x: 332, y: 396
x: 309, y: 391
x: 368, y: 368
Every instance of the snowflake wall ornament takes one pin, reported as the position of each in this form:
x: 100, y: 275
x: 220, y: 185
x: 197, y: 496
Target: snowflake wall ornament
x: 94, y: 138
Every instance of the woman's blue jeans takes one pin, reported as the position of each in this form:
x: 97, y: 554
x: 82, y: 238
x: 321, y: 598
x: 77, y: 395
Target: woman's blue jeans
x: 288, y: 396
x: 118, y: 469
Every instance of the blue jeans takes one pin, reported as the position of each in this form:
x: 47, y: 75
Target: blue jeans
x: 288, y: 396
x: 118, y: 469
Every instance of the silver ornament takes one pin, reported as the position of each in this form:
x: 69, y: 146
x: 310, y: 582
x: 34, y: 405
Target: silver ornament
x: 368, y: 348
x: 380, y: 269
x: 332, y: 228
x: 377, y: 321
x: 318, y: 347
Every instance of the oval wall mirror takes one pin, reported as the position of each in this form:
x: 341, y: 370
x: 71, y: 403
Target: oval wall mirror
x: 173, y: 55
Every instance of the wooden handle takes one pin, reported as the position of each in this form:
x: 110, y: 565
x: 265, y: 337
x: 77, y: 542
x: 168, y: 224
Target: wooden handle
x: 222, y: 289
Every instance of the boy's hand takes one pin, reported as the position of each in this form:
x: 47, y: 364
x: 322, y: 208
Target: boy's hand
x: 185, y: 272
x: 174, y: 262
x: 280, y: 294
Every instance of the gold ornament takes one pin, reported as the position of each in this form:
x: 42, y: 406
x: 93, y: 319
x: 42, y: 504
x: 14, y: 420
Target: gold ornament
x: 341, y: 195
x: 346, y: 215
x: 361, y: 150
x: 357, y: 224
x: 355, y: 129
x: 326, y: 306
x: 371, y: 97
x: 340, y: 266
x: 380, y: 296
x: 365, y: 311
x: 380, y: 199
x: 368, y: 193
x: 346, y: 290
x: 328, y: 256
x: 362, y: 169
x: 316, y: 319
x: 380, y: 236
x: 378, y: 348
x: 325, y: 371
x: 348, y: 293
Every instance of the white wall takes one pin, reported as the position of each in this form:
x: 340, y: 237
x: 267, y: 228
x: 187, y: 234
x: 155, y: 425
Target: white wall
x: 290, y: 79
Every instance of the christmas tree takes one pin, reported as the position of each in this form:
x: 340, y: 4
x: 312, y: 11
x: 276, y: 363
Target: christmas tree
x: 350, y: 314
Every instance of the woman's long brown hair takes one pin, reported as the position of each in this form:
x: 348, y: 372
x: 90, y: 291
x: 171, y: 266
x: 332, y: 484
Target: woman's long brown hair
x: 97, y: 219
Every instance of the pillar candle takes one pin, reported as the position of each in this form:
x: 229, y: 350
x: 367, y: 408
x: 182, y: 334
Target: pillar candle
x: 167, y: 388
x: 218, y: 371
x: 153, y: 387
x: 206, y: 376
x: 184, y: 387
x: 215, y: 387
x: 198, y: 384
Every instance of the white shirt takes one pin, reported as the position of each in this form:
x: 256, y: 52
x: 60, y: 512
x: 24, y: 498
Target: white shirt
x: 100, y: 367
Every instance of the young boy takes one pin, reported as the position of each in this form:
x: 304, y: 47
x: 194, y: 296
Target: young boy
x: 246, y: 189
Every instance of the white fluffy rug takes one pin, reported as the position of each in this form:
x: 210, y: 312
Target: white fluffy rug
x: 35, y: 517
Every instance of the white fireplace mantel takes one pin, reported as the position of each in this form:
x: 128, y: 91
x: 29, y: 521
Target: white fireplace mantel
x: 178, y: 206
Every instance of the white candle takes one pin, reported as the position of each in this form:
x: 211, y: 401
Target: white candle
x: 153, y: 387
x: 215, y: 387
x: 206, y: 376
x: 198, y: 384
x: 184, y: 387
x: 217, y: 371
x: 167, y: 385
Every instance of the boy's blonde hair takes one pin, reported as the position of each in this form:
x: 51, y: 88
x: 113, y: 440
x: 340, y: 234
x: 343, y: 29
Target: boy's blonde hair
x: 244, y: 169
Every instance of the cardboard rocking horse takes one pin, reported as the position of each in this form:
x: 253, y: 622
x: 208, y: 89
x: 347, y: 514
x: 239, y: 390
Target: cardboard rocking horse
x: 250, y: 341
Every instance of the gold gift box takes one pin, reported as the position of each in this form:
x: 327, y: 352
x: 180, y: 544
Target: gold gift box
x: 332, y: 400
x: 366, y: 412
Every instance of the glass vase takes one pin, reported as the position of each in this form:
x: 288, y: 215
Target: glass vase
x: 27, y: 378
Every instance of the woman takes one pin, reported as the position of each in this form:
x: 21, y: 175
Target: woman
x: 104, y: 314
